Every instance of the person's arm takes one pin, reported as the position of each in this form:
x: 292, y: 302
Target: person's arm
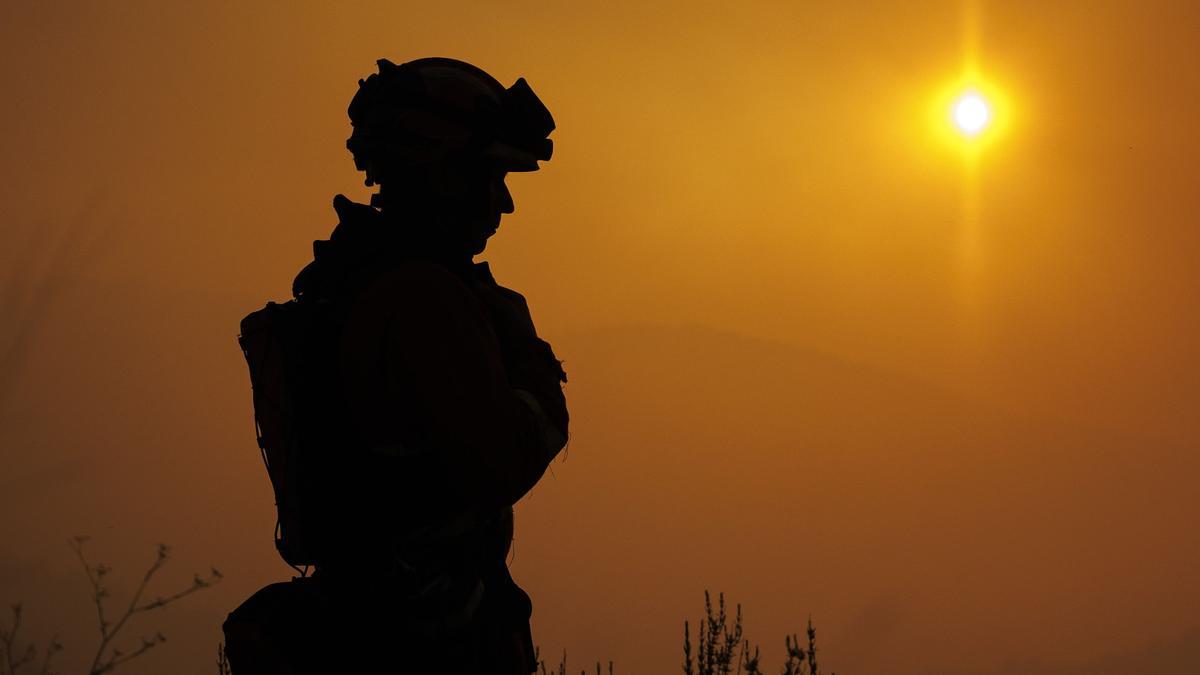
x: 442, y: 358
x: 532, y: 368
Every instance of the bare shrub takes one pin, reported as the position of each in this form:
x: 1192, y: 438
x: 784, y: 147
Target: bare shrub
x: 15, y: 658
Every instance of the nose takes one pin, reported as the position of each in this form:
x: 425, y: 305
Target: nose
x: 501, y: 197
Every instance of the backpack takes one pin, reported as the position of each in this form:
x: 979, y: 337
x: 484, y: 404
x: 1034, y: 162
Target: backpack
x: 289, y: 348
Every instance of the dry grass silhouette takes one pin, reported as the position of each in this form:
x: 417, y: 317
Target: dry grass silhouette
x: 561, y: 669
x: 721, y: 648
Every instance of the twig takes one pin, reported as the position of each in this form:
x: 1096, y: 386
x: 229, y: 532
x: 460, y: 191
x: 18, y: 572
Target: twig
x: 222, y: 660
x: 11, y: 662
x: 106, y: 660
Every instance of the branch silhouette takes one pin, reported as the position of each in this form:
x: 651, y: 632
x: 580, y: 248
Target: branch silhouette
x: 108, y: 657
x: 13, y: 658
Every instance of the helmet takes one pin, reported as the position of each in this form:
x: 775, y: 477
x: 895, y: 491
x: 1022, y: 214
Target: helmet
x: 431, y: 110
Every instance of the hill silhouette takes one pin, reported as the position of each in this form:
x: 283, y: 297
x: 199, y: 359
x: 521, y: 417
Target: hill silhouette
x: 918, y: 527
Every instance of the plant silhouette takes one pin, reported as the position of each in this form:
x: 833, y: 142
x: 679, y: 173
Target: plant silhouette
x: 16, y: 659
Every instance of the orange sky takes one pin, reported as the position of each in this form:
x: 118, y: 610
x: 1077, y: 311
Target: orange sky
x: 812, y: 362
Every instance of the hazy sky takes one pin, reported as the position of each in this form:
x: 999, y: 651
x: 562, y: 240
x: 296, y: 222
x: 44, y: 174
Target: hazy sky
x: 820, y: 357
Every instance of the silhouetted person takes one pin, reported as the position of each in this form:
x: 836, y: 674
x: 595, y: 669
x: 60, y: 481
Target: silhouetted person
x: 404, y: 400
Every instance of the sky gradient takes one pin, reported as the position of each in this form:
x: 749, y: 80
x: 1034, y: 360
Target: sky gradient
x: 822, y: 357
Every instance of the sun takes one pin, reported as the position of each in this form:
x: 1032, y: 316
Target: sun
x: 971, y: 113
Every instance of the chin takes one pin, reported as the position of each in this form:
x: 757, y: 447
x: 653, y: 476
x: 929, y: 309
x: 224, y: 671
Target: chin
x: 481, y: 241
x: 480, y: 244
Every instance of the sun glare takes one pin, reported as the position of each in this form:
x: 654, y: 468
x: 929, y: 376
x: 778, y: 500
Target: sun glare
x: 971, y: 113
